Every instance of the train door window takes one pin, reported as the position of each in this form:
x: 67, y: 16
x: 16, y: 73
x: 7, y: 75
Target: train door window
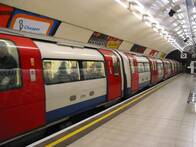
x: 132, y: 67
x: 116, y: 64
x: 60, y: 71
x: 93, y: 69
x: 159, y: 67
x: 10, y: 73
x: 140, y: 67
x: 147, y: 67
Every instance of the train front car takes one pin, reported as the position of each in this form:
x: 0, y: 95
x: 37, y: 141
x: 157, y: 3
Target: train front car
x: 75, y: 79
x: 22, y: 101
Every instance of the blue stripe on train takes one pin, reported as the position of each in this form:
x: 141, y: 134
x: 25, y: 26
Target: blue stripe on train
x: 128, y: 92
x: 74, y: 109
x: 143, y: 85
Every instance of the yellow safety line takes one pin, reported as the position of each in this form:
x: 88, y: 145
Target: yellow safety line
x: 103, y: 117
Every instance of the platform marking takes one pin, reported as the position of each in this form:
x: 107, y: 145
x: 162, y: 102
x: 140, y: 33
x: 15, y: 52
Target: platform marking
x: 106, y: 115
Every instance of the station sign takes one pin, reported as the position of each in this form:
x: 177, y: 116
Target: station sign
x: 33, y: 23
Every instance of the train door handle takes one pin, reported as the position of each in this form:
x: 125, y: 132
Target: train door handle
x: 72, y: 98
x: 91, y: 93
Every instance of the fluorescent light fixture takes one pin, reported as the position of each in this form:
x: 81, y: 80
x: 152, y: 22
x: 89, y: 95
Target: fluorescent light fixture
x: 122, y: 4
x: 148, y: 23
x: 180, y: 15
x: 138, y: 15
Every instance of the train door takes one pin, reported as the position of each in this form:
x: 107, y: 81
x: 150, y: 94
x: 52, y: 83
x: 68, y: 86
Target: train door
x: 114, y: 75
x: 160, y: 70
x: 141, y: 72
x: 165, y: 69
x: 147, y: 74
x: 154, y: 71
x: 134, y: 74
x: 172, y: 68
x: 144, y: 72
x: 22, y: 106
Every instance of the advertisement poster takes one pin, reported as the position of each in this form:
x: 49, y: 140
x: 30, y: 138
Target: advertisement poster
x: 104, y: 40
x: 161, y: 55
x: 113, y: 43
x: 98, y: 39
x: 138, y: 48
x: 33, y: 23
x: 153, y: 53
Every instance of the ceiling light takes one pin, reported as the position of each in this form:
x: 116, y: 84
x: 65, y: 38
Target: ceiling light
x: 122, y: 4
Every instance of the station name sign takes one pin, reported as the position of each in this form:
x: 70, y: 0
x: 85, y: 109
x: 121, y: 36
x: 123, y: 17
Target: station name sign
x: 21, y: 20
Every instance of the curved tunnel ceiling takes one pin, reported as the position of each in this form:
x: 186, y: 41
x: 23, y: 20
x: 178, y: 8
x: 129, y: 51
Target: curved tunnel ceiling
x: 108, y: 17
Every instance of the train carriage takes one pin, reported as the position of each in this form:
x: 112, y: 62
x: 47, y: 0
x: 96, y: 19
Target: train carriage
x: 22, y: 102
x: 63, y: 70
x: 72, y: 71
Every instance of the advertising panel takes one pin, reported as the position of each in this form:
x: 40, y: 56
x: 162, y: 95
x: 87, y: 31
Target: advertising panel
x: 138, y: 48
x: 33, y: 23
x: 105, y: 40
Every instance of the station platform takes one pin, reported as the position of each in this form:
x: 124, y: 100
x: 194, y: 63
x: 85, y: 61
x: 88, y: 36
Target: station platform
x: 161, y: 119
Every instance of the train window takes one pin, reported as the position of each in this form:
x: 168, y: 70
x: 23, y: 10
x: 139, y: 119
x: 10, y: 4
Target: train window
x: 141, y: 67
x: 115, y: 64
x: 132, y: 67
x: 93, y: 70
x: 159, y: 67
x: 60, y: 71
x: 147, y: 67
x: 10, y: 73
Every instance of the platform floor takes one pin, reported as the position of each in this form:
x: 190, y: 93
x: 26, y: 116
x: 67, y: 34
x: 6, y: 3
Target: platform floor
x: 163, y: 119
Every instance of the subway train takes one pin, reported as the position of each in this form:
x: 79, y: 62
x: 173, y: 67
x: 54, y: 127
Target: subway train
x: 43, y: 82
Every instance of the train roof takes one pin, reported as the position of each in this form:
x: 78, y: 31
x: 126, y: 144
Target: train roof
x: 55, y: 51
x: 141, y: 58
